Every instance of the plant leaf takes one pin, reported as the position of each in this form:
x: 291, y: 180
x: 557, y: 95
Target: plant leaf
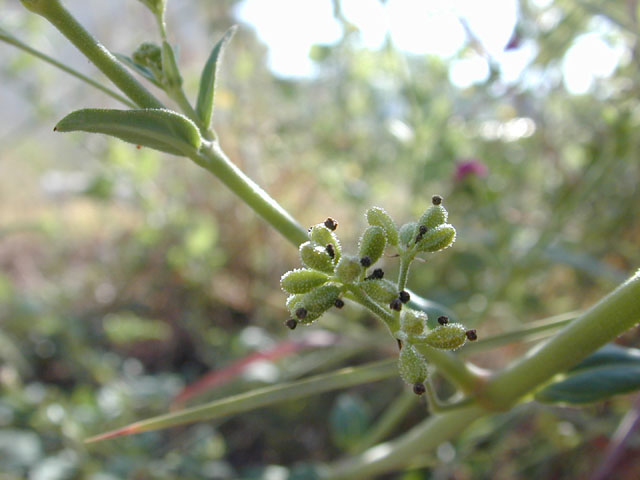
x: 261, y: 397
x: 610, y: 371
x: 207, y: 89
x: 141, y: 69
x: 159, y: 129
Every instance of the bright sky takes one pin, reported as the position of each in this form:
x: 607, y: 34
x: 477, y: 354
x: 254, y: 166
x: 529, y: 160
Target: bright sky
x: 421, y: 27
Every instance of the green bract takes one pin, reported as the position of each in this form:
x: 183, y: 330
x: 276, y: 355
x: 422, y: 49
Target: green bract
x: 437, y: 239
x: 302, y: 280
x: 380, y: 290
x: 323, y: 236
x: 446, y: 337
x: 407, y: 233
x: 372, y: 243
x: 378, y: 216
x: 413, y: 322
x: 348, y: 269
x: 434, y: 216
x: 412, y: 366
x: 315, y: 256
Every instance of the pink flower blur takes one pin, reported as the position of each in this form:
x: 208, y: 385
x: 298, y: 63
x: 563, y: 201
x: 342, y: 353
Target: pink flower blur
x: 470, y: 167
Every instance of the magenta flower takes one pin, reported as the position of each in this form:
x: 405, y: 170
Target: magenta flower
x: 470, y: 167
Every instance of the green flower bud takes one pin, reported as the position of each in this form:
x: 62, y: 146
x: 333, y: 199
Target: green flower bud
x: 321, y: 235
x: 378, y: 216
x: 437, y: 239
x: 302, y: 280
x: 380, y: 290
x: 316, y: 257
x: 315, y: 303
x: 149, y: 55
x: 412, y: 366
x: 407, y: 233
x: 434, y: 216
x: 446, y: 337
x: 413, y: 322
x: 348, y: 269
x: 372, y: 243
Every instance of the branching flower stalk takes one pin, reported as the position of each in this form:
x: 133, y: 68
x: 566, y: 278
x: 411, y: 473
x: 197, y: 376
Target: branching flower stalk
x: 329, y: 276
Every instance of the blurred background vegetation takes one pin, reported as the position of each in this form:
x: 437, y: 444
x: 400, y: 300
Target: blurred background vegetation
x: 126, y: 275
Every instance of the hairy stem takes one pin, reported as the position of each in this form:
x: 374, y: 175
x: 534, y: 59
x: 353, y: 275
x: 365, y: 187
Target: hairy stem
x: 91, y: 48
x: 42, y: 56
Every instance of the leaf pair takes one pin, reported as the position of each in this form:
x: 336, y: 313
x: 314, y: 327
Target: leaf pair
x: 160, y: 129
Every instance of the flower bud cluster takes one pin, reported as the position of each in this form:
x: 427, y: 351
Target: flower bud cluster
x: 329, y: 275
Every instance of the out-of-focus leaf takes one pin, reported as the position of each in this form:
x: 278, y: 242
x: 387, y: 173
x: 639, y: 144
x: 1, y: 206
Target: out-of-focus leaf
x: 432, y: 309
x: 610, y: 371
x: 159, y: 129
x: 207, y: 90
x: 349, y: 420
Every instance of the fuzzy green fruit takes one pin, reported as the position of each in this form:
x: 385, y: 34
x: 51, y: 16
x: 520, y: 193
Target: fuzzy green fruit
x: 437, y: 239
x: 446, y: 337
x: 433, y: 216
x: 412, y: 366
x: 316, y: 257
x: 348, y: 269
x: 407, y: 233
x: 378, y: 216
x: 302, y: 280
x: 381, y: 290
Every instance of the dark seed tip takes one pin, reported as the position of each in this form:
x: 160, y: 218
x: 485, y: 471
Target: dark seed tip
x: 443, y: 320
x: 436, y: 199
x: 422, y: 229
x: 365, y: 261
x: 330, y: 250
x: 471, y: 335
x: 331, y: 224
x: 419, y: 388
x: 301, y: 313
x: 291, y: 323
x: 339, y: 303
x: 377, y: 273
x: 395, y: 304
x: 404, y: 296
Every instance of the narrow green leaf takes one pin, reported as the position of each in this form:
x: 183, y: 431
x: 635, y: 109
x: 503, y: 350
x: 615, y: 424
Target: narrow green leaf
x: 610, y: 371
x: 142, y: 70
x: 159, y: 129
x: 206, y: 92
x: 262, y: 397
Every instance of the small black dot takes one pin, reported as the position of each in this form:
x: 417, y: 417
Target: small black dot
x: 365, y: 261
x: 404, y: 296
x: 291, y: 323
x: 330, y: 250
x: 301, y: 313
x: 339, y: 303
x: 331, y: 224
x: 443, y: 320
x: 471, y: 335
x: 419, y: 388
x: 377, y: 273
x: 436, y: 199
x: 395, y: 304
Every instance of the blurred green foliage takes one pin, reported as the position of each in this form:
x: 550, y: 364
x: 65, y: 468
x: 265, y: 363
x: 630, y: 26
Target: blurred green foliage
x: 126, y: 275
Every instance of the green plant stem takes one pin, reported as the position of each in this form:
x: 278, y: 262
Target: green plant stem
x: 91, y: 48
x: 401, y: 451
x: 212, y: 158
x: 42, y: 56
x: 392, y: 415
x: 392, y: 323
x: 403, y: 274
x: 261, y: 397
x: 469, y: 378
x: 602, y: 323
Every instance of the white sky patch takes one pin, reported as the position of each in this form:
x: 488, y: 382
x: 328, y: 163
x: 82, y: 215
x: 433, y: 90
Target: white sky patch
x: 291, y: 27
x: 465, y: 72
x: 588, y: 59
